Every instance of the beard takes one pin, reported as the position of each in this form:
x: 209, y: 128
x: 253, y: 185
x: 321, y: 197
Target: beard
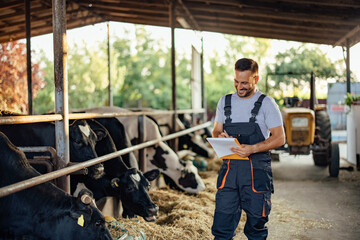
x: 245, y: 92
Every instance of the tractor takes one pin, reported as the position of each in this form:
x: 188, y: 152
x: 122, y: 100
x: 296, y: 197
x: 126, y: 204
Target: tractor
x: 308, y: 130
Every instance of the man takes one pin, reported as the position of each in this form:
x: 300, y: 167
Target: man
x: 255, y: 120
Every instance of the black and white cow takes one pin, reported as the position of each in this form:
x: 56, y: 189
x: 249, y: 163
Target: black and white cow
x: 43, y: 211
x: 82, y: 140
x: 113, y: 182
x: 183, y: 174
x: 192, y: 141
x: 200, y: 135
x: 127, y: 184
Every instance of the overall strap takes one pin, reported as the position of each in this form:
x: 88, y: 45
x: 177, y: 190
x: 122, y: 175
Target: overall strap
x: 227, y: 108
x: 256, y: 108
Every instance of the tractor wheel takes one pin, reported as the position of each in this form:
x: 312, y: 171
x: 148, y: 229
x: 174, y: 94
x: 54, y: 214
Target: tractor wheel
x: 322, y: 132
x: 334, y: 164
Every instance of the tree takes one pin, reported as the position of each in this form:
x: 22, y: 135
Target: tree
x: 44, y: 102
x: 87, y: 76
x: 219, y: 81
x: 292, y: 70
x: 146, y: 73
x: 13, y: 77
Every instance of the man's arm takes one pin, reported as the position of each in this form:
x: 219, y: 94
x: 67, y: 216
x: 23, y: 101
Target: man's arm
x: 218, y: 131
x: 276, y: 139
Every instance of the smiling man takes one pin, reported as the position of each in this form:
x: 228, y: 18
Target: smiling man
x: 255, y: 120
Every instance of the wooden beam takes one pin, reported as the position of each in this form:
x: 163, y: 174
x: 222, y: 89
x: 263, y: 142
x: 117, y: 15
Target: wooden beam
x: 331, y: 3
x: 308, y: 16
x: 265, y: 22
x: 190, y: 16
x: 346, y: 37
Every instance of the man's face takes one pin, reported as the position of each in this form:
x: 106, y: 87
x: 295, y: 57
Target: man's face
x: 244, y: 82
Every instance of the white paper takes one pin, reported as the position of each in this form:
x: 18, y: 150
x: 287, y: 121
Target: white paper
x: 222, y: 145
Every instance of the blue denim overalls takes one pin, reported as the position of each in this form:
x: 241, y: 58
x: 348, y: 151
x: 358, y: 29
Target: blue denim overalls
x: 243, y: 184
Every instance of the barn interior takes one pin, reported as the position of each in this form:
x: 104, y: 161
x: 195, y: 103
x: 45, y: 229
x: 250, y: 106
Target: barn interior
x: 331, y: 22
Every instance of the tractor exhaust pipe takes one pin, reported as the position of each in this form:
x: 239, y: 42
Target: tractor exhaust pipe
x: 312, y: 92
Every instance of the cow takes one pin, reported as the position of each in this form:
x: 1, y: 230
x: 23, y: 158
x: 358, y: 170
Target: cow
x: 192, y: 141
x: 43, y: 211
x: 83, y: 140
x: 186, y: 121
x: 179, y: 174
x: 200, y: 135
x: 129, y: 185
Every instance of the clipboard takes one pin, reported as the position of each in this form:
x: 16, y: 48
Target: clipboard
x: 222, y: 147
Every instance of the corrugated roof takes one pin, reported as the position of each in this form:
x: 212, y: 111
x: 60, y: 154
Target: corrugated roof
x: 316, y: 21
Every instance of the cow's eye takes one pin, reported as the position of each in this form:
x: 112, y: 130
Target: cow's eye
x: 78, y: 144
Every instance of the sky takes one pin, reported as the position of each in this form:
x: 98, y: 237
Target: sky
x: 183, y: 39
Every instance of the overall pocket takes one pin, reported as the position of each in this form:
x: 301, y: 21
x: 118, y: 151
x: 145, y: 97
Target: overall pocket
x: 261, y: 177
x: 222, y: 174
x: 266, y: 205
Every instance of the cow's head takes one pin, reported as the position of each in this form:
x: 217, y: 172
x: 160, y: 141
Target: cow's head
x: 54, y: 214
x: 134, y: 187
x: 82, y: 146
x: 129, y: 184
x: 179, y: 174
x: 83, y: 221
x: 194, y: 143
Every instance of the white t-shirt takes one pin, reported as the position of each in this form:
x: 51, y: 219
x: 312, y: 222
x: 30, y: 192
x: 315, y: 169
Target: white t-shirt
x: 269, y: 115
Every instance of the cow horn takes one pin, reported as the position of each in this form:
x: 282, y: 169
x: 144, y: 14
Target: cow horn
x: 86, y: 199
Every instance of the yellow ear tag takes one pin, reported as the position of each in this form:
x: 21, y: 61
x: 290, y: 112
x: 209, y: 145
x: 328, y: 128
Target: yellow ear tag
x: 81, y: 220
x: 115, y: 183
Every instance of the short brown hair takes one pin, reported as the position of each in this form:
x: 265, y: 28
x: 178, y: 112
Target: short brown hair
x: 244, y: 64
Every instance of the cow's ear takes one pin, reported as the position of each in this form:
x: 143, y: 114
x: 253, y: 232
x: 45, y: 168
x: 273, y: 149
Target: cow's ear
x: 100, y: 133
x: 115, y: 183
x: 82, y: 216
x: 152, y: 175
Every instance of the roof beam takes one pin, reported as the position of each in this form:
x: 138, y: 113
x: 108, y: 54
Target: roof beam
x: 355, y: 33
x: 190, y: 16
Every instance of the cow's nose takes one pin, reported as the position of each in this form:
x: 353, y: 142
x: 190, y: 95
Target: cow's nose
x: 153, y: 210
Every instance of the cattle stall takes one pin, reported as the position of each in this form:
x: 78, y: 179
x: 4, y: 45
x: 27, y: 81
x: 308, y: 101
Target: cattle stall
x: 80, y: 166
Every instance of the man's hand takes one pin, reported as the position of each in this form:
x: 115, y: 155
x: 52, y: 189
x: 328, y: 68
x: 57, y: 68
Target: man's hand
x: 224, y: 134
x: 243, y: 150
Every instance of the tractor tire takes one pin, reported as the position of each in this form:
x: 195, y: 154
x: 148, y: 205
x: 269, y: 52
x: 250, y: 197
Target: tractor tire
x: 334, y: 164
x: 323, y: 130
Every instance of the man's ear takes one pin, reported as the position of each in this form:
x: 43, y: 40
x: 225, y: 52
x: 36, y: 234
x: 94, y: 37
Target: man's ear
x: 257, y: 79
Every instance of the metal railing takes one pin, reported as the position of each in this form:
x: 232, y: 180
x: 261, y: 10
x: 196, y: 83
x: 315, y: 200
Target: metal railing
x: 4, y: 191
x: 72, y: 116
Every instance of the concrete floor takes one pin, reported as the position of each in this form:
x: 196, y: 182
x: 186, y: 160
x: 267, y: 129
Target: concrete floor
x: 308, y: 204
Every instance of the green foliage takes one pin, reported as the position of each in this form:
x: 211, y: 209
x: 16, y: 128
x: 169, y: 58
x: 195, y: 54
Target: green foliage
x: 87, y: 76
x: 45, y: 100
x: 290, y: 75
x: 141, y: 72
x: 352, y: 99
x: 220, y: 80
x: 147, y: 73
